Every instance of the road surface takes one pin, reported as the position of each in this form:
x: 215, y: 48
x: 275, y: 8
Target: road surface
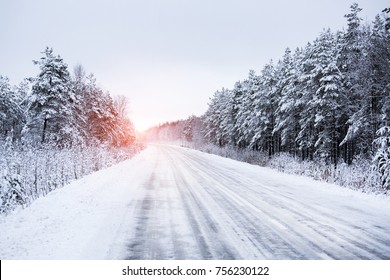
x: 176, y: 203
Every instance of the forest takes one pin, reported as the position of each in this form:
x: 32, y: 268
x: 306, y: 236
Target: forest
x: 57, y: 127
x: 322, y: 110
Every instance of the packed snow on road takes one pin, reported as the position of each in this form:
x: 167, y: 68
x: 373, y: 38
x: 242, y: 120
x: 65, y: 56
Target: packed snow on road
x: 170, y: 202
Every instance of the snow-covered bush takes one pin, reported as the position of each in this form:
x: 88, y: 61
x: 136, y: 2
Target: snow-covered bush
x: 12, y: 193
x: 359, y: 175
x: 245, y: 155
x: 382, y: 160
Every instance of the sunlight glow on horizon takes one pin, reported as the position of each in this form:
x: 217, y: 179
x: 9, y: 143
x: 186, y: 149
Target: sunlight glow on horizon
x: 144, y: 121
x: 142, y: 124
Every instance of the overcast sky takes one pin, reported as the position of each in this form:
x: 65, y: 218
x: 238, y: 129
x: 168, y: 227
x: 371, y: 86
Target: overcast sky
x: 167, y: 56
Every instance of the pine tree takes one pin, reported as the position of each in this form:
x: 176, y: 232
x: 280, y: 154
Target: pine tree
x: 218, y: 120
x: 187, y: 133
x: 10, y: 111
x: 100, y: 113
x: 245, y: 116
x: 380, y: 59
x: 351, y: 63
x: 288, y: 109
x: 307, y: 135
x: 51, y: 110
x: 382, y: 157
x: 264, y: 111
x: 232, y: 111
x: 329, y: 98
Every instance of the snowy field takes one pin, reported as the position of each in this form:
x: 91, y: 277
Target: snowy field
x: 175, y: 203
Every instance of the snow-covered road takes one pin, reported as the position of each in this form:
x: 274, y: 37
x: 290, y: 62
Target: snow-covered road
x: 176, y: 203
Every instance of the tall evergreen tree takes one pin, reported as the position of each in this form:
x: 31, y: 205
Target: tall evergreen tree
x: 329, y: 98
x: 351, y: 65
x: 288, y: 109
x: 100, y: 113
x: 265, y: 101
x: 218, y: 118
x: 10, y: 110
x: 245, y: 120
x: 51, y: 114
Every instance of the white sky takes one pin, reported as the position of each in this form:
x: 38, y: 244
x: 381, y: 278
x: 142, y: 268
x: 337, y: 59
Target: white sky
x: 167, y: 56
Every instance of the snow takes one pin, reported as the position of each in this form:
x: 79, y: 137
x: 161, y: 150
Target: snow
x: 175, y: 203
x: 69, y: 222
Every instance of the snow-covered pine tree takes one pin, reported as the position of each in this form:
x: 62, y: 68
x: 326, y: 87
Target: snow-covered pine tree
x: 329, y: 99
x: 99, y: 113
x: 351, y: 64
x: 379, y: 65
x: 231, y: 112
x: 307, y: 135
x: 51, y: 105
x: 380, y: 59
x: 187, y: 133
x: 10, y: 111
x: 285, y: 121
x: 210, y: 125
x: 263, y: 118
x: 226, y: 117
x: 288, y: 109
x: 245, y: 116
x: 218, y: 122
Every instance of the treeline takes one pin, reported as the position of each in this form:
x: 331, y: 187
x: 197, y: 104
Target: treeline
x: 59, y: 110
x: 188, y: 130
x: 328, y: 101
x: 57, y: 127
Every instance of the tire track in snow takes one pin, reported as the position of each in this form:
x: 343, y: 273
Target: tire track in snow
x: 370, y: 244
x: 219, y: 212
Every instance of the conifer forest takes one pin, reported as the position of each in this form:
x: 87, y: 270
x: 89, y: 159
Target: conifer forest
x: 324, y: 106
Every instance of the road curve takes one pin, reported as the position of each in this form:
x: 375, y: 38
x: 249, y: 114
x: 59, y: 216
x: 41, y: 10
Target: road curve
x: 198, y: 206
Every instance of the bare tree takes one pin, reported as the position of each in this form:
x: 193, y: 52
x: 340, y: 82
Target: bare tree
x: 79, y: 73
x: 121, y: 104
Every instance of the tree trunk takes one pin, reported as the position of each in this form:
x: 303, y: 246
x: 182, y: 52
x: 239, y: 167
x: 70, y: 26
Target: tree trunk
x: 44, y: 130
